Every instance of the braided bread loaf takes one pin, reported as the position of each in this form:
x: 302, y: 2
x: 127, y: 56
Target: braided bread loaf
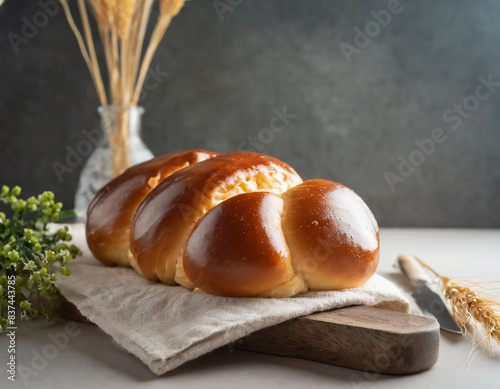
x: 240, y: 224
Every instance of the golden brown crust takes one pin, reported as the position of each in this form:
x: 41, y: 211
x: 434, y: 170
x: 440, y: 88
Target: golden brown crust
x: 240, y: 224
x: 243, y: 255
x: 110, y: 214
x: 319, y: 235
x: 332, y: 235
x: 165, y: 219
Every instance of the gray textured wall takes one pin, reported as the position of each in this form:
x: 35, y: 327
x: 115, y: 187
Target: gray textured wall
x: 354, y: 119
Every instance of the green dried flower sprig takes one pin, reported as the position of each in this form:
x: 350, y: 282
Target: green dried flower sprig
x: 31, y: 255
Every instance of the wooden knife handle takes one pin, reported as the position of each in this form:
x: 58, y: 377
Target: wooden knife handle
x: 412, y: 269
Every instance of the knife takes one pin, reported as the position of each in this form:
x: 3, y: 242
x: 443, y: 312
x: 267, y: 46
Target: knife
x: 428, y: 300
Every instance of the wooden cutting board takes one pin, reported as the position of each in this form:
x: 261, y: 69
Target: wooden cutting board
x: 359, y: 337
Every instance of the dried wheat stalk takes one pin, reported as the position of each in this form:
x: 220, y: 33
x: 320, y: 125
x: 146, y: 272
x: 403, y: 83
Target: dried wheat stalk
x: 122, y: 26
x: 471, y: 309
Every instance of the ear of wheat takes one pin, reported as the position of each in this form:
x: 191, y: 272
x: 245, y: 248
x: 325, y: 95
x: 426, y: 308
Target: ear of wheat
x: 475, y: 313
x: 122, y: 26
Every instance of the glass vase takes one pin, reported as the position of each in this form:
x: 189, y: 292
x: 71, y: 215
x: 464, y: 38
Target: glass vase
x: 97, y: 171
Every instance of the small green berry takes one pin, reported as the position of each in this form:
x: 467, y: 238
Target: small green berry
x: 25, y: 305
x: 6, y: 249
x: 35, y: 277
x: 30, y: 266
x: 16, y: 191
x: 19, y: 205
x: 65, y: 271
x: 73, y: 249
x: 62, y: 233
x: 13, y: 255
x: 61, y: 246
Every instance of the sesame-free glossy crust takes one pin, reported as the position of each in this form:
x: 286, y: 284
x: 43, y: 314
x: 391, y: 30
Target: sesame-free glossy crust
x: 332, y: 235
x: 110, y: 214
x: 239, y: 225
x: 238, y: 248
x: 320, y: 231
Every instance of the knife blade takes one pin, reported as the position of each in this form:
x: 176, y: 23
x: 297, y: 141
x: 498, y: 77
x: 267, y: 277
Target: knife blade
x: 428, y: 300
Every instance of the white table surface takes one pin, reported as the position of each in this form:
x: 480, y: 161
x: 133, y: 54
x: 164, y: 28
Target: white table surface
x: 91, y: 359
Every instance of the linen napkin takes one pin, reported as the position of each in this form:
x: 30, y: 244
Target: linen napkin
x: 166, y: 326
